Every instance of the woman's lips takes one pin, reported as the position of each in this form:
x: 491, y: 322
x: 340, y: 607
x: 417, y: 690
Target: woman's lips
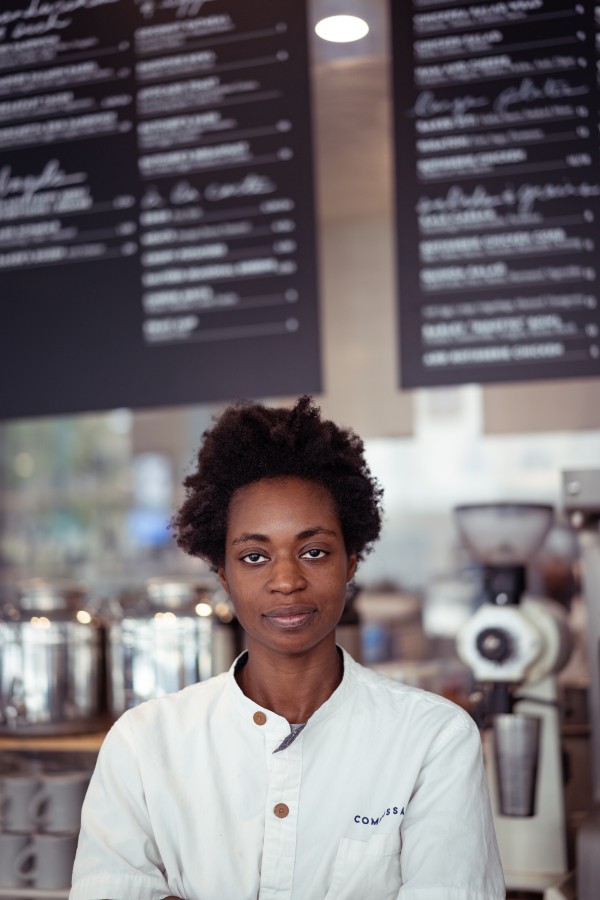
x: 290, y: 616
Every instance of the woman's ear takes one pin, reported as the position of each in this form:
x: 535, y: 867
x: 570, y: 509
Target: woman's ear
x: 223, y: 579
x: 352, y: 563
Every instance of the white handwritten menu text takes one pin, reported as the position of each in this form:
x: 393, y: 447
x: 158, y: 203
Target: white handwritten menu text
x: 498, y: 193
x: 157, y: 239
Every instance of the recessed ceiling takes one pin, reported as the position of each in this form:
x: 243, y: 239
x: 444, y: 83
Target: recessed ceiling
x: 353, y: 120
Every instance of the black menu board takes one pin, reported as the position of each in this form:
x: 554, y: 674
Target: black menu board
x: 498, y: 194
x: 157, y: 236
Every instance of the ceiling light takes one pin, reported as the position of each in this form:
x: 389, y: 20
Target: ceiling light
x: 342, y: 29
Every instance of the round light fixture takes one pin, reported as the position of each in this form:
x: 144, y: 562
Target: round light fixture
x: 342, y: 29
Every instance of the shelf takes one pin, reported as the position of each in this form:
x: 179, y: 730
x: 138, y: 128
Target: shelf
x: 63, y: 742
x: 28, y: 893
x: 582, y: 730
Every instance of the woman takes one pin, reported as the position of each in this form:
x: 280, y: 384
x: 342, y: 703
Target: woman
x: 298, y: 775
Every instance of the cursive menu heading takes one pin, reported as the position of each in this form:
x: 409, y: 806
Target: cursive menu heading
x: 498, y: 192
x: 157, y: 225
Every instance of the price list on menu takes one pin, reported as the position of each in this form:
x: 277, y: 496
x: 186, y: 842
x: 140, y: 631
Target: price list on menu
x: 157, y: 235
x: 498, y: 193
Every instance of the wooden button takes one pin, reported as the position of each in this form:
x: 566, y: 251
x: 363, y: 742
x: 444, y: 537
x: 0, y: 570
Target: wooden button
x: 281, y: 810
x: 259, y: 717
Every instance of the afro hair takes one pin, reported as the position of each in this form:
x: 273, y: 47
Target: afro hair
x: 250, y: 442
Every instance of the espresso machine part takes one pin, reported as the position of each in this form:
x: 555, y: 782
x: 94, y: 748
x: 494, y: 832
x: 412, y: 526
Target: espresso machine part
x: 581, y: 499
x: 515, y: 644
x: 51, y: 660
x: 168, y: 635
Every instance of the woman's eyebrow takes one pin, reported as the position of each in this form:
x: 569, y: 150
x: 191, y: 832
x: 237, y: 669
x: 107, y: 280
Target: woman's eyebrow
x: 265, y: 539
x: 251, y: 536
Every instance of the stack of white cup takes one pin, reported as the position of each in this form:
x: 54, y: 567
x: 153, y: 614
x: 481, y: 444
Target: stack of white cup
x: 40, y: 814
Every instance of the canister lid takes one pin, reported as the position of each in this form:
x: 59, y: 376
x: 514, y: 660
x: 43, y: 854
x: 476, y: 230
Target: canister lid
x: 168, y: 593
x: 47, y: 602
x: 40, y: 594
x: 177, y: 597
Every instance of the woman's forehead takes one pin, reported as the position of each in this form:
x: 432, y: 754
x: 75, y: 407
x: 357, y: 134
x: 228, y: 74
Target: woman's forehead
x: 277, y: 496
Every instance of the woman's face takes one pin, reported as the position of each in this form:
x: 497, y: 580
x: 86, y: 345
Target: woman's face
x: 286, y: 565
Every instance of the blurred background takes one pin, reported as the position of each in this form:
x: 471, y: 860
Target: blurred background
x: 87, y: 498
x: 89, y: 494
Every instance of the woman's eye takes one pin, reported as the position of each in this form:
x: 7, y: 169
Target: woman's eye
x: 253, y: 558
x: 314, y: 553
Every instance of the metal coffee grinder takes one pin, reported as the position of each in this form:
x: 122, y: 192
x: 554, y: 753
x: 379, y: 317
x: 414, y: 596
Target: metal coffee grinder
x: 514, y: 644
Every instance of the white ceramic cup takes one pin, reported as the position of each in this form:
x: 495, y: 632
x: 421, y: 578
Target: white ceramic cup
x: 46, y: 863
x: 11, y: 845
x: 55, y: 807
x: 16, y: 794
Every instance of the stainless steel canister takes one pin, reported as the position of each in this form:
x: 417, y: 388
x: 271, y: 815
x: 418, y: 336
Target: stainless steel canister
x: 168, y: 635
x: 50, y: 660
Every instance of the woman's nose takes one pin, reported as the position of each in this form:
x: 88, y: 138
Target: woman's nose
x: 286, y: 576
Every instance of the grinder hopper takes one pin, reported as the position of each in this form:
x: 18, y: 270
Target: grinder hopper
x: 503, y: 536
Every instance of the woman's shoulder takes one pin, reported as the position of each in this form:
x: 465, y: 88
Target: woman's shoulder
x: 396, y: 697
x: 172, y: 710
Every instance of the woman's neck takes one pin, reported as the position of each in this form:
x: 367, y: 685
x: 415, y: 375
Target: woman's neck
x: 291, y: 686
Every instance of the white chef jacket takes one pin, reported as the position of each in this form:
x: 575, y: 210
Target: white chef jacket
x: 381, y: 796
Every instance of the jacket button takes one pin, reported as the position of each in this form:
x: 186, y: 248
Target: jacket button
x: 281, y: 810
x: 259, y: 717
